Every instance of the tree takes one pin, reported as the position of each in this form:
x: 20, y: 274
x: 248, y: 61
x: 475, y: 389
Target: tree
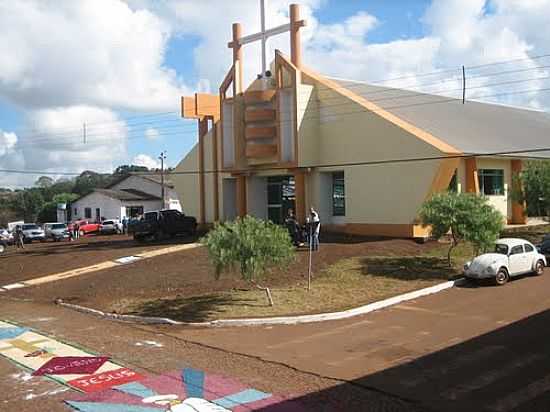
x: 27, y: 204
x: 88, y: 181
x: 251, y: 244
x: 465, y: 216
x: 124, y: 170
x: 48, y: 213
x: 44, y: 182
x: 532, y: 186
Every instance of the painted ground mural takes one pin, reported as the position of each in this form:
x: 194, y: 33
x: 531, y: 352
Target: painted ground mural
x: 101, y: 385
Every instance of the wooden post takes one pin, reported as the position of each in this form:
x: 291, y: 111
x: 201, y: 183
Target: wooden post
x: 216, y: 173
x: 472, y: 181
x: 518, y: 209
x: 300, y: 195
x: 237, y: 59
x: 295, y: 43
x: 241, y: 196
x: 203, y: 130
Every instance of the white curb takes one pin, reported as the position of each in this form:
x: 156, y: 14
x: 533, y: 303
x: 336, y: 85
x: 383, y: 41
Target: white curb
x: 281, y: 320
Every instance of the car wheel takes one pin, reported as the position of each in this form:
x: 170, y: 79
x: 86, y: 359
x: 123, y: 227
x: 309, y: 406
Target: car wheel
x: 539, y: 268
x: 502, y: 277
x: 81, y: 233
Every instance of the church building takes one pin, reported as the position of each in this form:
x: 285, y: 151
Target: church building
x: 365, y: 157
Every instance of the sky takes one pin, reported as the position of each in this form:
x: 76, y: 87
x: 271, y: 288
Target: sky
x: 93, y: 84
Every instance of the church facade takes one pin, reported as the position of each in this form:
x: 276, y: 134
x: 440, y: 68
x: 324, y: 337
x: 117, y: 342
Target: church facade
x: 365, y: 157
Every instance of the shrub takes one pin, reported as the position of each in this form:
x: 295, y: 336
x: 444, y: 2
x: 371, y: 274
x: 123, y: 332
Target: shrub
x: 252, y: 245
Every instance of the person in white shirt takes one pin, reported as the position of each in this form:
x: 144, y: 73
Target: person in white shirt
x: 315, y: 223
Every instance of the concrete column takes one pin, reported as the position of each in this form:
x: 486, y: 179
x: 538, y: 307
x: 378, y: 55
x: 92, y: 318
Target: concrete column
x: 215, y: 175
x: 241, y: 196
x: 237, y: 59
x: 295, y: 43
x: 300, y: 193
x: 203, y: 130
x: 472, y: 181
x: 518, y: 209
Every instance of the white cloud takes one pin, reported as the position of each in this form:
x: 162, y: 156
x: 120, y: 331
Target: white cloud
x: 147, y: 161
x: 8, y: 140
x: 152, y: 134
x: 99, y: 53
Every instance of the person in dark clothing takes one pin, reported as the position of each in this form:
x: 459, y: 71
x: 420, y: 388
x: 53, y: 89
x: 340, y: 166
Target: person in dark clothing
x: 292, y: 227
x: 76, y: 229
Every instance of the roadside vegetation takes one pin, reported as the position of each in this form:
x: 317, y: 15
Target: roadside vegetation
x: 464, y: 217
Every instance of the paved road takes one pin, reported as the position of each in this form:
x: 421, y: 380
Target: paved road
x: 154, y: 352
x: 466, y: 349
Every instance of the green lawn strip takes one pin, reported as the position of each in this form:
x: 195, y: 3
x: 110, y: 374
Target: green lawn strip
x: 348, y: 283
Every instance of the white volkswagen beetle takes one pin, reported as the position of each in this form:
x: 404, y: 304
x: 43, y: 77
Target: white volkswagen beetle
x: 511, y: 257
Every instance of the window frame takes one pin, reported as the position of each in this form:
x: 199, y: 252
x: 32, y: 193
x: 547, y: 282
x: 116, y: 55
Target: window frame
x: 491, y: 173
x: 516, y: 253
x: 338, y: 179
x: 527, y: 245
x: 87, y: 211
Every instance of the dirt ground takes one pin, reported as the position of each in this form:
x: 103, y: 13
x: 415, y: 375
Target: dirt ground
x: 189, y: 273
x: 40, y: 259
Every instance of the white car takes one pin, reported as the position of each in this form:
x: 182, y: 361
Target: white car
x: 511, y: 257
x: 110, y: 226
x: 32, y: 232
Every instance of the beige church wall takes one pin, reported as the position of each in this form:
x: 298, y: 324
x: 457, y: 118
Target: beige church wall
x: 187, y: 185
x: 501, y: 203
x: 375, y: 194
x: 308, y: 125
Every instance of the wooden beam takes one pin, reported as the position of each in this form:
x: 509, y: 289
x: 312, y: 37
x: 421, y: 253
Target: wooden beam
x: 518, y: 209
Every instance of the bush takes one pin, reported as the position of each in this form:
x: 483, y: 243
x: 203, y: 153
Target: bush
x: 251, y: 244
x: 465, y: 216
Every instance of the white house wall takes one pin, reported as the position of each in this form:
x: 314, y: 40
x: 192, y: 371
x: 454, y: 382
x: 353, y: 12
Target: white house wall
x: 150, y: 187
x: 110, y: 208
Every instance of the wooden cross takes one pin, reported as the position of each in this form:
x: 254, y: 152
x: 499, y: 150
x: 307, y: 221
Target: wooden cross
x: 29, y: 347
x: 292, y: 27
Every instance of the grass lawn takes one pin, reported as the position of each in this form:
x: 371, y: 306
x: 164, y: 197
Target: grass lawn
x: 349, y: 281
x: 346, y: 284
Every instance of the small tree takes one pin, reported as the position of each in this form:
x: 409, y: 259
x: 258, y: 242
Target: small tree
x: 532, y: 186
x: 466, y: 217
x: 251, y: 244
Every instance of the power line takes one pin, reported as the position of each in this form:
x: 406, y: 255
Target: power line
x: 438, y: 72
x: 507, y: 153
x: 443, y: 99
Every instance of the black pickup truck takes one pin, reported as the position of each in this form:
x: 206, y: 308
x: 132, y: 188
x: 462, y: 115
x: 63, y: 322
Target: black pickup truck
x: 161, y: 224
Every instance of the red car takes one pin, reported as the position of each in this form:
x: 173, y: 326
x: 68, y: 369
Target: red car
x: 85, y: 227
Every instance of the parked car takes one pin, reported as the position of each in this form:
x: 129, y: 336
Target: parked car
x: 32, y: 232
x: 7, y: 236
x: 544, y: 248
x: 511, y: 257
x: 161, y: 224
x: 56, y: 231
x: 3, y: 245
x: 110, y: 226
x: 85, y: 227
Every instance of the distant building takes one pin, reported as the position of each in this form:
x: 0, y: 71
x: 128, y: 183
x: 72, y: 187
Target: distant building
x: 130, y: 196
x: 366, y: 157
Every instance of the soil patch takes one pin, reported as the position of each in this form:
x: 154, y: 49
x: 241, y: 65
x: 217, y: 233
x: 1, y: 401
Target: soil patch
x: 40, y: 259
x: 182, y: 284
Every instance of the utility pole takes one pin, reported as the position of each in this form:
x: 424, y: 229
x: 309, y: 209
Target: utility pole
x: 162, y: 158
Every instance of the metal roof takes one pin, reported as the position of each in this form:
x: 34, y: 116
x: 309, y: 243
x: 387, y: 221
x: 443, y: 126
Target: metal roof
x: 473, y: 127
x: 127, y: 194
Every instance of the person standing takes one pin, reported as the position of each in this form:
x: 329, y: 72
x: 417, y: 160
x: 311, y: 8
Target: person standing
x: 19, y: 237
x: 292, y: 227
x: 315, y: 228
x: 76, y: 231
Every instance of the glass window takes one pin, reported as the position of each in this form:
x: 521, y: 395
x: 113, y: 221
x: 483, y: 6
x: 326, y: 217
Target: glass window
x: 502, y: 249
x: 75, y: 211
x: 516, y: 250
x: 88, y: 213
x: 491, y: 182
x: 338, y: 194
x: 528, y: 248
x: 453, y: 185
